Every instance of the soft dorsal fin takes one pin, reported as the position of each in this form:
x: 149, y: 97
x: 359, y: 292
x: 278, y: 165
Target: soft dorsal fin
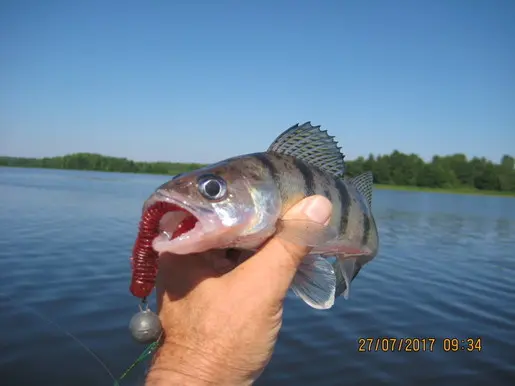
x: 311, y: 145
x: 364, y: 184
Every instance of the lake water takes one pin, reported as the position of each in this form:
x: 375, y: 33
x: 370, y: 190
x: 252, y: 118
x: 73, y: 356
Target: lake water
x: 446, y: 269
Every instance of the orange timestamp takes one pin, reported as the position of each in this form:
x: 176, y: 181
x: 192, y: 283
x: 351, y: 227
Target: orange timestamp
x: 428, y: 344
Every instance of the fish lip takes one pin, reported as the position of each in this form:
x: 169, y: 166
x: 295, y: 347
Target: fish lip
x: 161, y: 195
x: 179, y: 200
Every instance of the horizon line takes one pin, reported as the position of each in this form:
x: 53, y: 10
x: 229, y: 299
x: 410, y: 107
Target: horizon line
x: 468, y: 157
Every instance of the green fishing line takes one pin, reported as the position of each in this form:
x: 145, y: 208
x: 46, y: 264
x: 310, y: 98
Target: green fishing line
x: 149, y: 350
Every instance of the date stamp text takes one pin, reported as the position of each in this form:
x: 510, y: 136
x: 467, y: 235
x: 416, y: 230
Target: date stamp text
x: 427, y: 344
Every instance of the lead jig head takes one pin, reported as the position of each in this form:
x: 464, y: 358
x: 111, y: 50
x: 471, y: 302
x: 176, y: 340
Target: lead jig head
x: 145, y: 325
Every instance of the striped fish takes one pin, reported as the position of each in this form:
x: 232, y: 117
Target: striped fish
x: 240, y: 202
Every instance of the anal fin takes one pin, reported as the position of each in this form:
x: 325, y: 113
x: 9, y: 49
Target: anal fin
x: 345, y: 271
x: 315, y: 282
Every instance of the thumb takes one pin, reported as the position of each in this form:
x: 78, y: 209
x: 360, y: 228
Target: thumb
x: 277, y: 262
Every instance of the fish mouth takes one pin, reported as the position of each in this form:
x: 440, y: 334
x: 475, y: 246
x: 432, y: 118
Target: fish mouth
x: 176, y: 225
x: 180, y: 227
x: 183, y: 228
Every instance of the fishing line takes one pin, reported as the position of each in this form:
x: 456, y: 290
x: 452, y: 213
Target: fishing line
x: 149, y: 350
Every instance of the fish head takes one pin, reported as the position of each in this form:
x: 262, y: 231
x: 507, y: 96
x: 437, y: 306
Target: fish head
x: 219, y: 206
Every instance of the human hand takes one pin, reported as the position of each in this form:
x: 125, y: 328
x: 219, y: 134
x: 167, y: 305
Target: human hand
x: 221, y: 321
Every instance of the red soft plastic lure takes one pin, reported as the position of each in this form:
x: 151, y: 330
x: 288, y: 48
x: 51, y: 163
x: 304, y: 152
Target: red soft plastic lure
x: 144, y: 258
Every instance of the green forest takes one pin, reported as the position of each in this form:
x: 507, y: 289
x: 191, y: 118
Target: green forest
x: 455, y: 172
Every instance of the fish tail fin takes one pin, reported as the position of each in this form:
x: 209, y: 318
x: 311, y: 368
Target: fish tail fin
x: 315, y: 282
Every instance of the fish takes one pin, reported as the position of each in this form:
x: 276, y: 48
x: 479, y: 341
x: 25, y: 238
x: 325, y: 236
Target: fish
x: 239, y: 203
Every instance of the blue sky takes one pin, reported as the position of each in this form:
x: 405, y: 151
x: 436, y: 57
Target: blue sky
x: 202, y: 81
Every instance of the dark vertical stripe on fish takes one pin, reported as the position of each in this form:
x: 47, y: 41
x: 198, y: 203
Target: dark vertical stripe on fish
x: 366, y: 229
x: 269, y: 165
x: 327, y: 194
x: 345, y: 204
x: 327, y: 183
x: 307, y: 175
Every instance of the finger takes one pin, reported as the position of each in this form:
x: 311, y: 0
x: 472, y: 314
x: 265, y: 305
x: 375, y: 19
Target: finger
x: 275, y: 265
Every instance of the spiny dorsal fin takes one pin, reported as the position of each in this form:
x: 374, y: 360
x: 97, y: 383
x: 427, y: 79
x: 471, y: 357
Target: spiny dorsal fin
x: 312, y: 145
x: 364, y: 184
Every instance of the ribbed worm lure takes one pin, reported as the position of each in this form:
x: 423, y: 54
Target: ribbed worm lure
x: 145, y: 325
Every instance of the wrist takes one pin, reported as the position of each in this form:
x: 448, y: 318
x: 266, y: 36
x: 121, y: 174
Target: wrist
x: 167, y: 377
x: 180, y: 365
x: 177, y: 365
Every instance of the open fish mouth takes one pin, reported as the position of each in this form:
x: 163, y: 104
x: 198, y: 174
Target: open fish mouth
x: 177, y: 225
x: 167, y: 225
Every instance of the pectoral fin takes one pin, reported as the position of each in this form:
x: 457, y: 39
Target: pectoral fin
x: 305, y: 232
x: 315, y: 282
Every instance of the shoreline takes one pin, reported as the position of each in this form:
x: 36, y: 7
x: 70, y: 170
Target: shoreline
x: 404, y: 188
x: 465, y: 191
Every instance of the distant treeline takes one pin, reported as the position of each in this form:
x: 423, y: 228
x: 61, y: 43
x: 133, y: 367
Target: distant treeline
x: 451, y: 172
x: 98, y: 162
x: 455, y: 171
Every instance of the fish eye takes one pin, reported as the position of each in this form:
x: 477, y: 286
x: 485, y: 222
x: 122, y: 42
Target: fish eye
x: 212, y: 187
